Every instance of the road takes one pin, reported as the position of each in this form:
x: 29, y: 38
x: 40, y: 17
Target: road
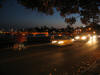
x: 77, y: 58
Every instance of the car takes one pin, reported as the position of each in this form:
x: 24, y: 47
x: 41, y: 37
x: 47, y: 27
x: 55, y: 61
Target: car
x: 62, y: 40
x: 85, y: 37
x: 82, y: 37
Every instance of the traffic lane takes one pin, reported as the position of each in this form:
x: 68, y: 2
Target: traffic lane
x: 31, y: 67
x: 44, y: 48
x: 36, y: 49
x: 7, y: 53
x: 11, y: 52
x: 33, y: 50
x: 62, y: 59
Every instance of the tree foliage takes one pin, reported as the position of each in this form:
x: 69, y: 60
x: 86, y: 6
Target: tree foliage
x: 69, y: 29
x: 1, y: 3
x: 88, y: 9
x: 70, y: 21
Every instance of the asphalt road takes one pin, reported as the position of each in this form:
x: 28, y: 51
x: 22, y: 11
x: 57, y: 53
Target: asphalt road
x: 77, y: 58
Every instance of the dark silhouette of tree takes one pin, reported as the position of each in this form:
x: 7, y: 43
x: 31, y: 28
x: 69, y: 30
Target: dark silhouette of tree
x: 44, y: 28
x: 0, y: 6
x: 87, y: 9
x: 69, y: 29
x: 70, y: 21
x: 1, y: 3
x: 37, y: 29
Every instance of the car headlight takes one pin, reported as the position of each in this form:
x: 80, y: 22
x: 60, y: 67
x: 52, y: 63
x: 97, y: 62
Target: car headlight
x: 83, y: 38
x: 77, y: 37
x: 94, y: 32
x: 54, y: 41
x: 98, y: 36
x: 90, y: 37
x: 60, y: 42
x: 73, y: 39
x: 94, y: 36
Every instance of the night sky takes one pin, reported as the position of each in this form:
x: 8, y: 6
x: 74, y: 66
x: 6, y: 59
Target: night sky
x: 16, y: 15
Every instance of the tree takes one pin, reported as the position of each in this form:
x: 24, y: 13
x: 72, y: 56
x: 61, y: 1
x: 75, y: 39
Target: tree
x: 69, y: 29
x: 87, y: 9
x: 1, y: 3
x: 70, y: 21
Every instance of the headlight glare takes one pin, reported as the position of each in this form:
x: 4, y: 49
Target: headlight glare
x: 73, y: 39
x: 77, y: 37
x: 83, y: 37
x: 94, y: 36
x: 60, y: 42
x: 54, y: 41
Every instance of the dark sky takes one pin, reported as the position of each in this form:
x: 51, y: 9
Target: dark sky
x: 18, y: 16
